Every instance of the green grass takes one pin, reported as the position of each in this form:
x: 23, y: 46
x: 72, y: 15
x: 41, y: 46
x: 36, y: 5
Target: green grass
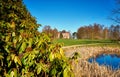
x: 69, y: 42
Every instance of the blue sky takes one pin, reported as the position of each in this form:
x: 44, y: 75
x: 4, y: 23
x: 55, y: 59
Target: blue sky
x: 70, y: 14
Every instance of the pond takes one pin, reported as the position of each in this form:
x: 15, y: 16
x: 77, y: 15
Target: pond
x: 111, y: 60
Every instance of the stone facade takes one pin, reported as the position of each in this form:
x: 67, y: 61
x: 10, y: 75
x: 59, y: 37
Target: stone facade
x: 65, y: 35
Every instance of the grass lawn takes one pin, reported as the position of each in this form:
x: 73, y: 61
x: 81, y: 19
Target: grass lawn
x: 69, y: 42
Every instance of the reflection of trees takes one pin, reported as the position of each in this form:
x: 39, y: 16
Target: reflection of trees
x: 118, y: 56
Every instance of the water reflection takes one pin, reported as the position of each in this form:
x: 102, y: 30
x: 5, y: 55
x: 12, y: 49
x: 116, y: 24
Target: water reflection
x: 111, y: 60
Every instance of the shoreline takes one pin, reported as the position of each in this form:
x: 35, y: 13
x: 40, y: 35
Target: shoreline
x: 89, y: 51
x: 85, y: 69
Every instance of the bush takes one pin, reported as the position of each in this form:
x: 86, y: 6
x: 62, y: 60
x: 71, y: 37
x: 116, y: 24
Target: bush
x: 24, y: 52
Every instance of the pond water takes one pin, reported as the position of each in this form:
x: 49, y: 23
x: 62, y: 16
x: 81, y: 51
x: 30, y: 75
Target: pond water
x: 111, y: 60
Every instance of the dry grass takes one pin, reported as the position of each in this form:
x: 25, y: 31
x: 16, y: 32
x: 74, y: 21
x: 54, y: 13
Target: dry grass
x: 85, y: 69
x: 88, y: 51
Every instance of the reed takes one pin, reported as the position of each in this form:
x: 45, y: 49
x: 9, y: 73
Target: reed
x: 85, y: 69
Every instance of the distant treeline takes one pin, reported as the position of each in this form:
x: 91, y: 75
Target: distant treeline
x: 97, y: 31
x: 54, y: 33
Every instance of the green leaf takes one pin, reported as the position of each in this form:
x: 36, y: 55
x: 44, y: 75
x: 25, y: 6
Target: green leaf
x: 53, y: 72
x: 17, y: 60
x: 12, y: 74
x: 65, y: 73
x: 39, y: 69
x: 30, y: 42
x: 9, y: 63
x: 6, y: 48
x: 15, y: 72
x: 12, y: 56
x: 39, y: 43
x: 14, y: 40
x: 20, y: 38
x: 51, y: 56
x: 64, y: 65
x: 23, y: 47
x: 25, y: 55
x: 7, y: 38
x: 36, y: 51
x: 13, y: 34
x: 7, y: 75
x: 61, y: 52
x: 18, y: 45
x: 1, y: 57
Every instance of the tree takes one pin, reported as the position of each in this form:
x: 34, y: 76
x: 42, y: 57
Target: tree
x: 116, y: 13
x: 116, y: 17
x: 97, y: 29
x: 61, y: 35
x: 80, y: 33
x: 24, y: 52
x: 87, y: 29
x: 52, y: 33
x: 90, y: 32
x: 114, y: 32
x: 105, y: 33
x: 47, y: 29
x: 74, y: 35
x: 55, y: 33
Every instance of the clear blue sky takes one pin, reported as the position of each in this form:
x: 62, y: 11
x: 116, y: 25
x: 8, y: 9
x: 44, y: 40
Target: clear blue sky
x: 70, y: 14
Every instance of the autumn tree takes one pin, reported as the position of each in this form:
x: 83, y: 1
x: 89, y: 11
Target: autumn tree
x: 47, y: 30
x: 105, y: 33
x: 55, y: 33
x: 87, y: 33
x: 52, y: 33
x: 90, y: 32
x: 80, y: 33
x: 97, y: 29
x: 114, y: 32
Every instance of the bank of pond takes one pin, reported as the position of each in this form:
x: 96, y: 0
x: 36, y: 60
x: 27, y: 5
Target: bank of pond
x: 96, y: 61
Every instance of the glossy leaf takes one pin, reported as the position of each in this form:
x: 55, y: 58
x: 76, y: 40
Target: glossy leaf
x: 61, y: 52
x: 13, y: 34
x: 53, y: 72
x: 12, y: 56
x: 65, y: 73
x: 51, y: 56
x: 12, y: 74
x: 17, y: 60
x: 30, y: 42
x: 15, y: 72
x: 39, y: 68
x: 1, y: 57
x: 22, y: 48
